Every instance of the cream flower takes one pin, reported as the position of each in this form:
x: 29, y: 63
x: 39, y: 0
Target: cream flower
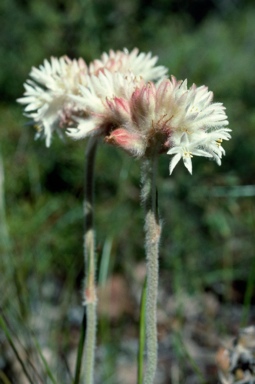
x: 48, y: 94
x: 147, y: 119
x: 140, y: 64
x: 185, y: 150
x: 183, y: 122
x: 105, y: 98
x: 62, y: 91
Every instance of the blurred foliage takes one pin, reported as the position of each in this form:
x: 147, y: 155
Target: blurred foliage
x: 208, y: 235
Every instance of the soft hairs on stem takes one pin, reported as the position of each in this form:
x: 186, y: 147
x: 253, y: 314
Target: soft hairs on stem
x: 152, y: 237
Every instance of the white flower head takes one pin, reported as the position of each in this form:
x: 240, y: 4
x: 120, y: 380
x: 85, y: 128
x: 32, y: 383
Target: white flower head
x: 115, y: 97
x: 138, y: 63
x: 105, y: 98
x: 147, y: 119
x: 115, y: 75
x: 61, y: 92
x: 48, y: 94
x: 204, y: 124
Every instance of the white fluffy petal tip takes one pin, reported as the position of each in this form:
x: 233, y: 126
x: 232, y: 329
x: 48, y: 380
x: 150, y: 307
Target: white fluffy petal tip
x: 188, y: 163
x: 174, y: 162
x: 75, y: 133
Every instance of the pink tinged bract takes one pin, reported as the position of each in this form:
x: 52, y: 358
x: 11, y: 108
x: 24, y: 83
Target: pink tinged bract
x: 131, y: 142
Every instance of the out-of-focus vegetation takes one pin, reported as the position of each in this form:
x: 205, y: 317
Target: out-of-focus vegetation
x: 209, y: 218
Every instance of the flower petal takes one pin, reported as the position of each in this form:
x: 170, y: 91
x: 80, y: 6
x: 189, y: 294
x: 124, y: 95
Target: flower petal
x: 174, y: 162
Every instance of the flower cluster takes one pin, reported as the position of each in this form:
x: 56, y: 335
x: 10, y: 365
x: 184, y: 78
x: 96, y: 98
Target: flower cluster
x: 47, y: 95
x: 115, y: 97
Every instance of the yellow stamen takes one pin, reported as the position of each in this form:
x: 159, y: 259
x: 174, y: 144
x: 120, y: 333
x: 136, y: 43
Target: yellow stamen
x: 218, y: 142
x: 37, y: 128
x: 188, y: 154
x: 186, y: 131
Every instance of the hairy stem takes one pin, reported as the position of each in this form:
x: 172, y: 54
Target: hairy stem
x: 141, y: 347
x: 152, y: 237
x: 90, y: 298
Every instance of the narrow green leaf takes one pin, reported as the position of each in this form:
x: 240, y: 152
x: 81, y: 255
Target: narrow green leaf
x: 3, y: 378
x: 46, y: 366
x: 189, y: 358
x: 248, y: 295
x: 4, y: 327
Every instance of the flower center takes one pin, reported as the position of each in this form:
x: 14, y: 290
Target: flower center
x: 187, y: 154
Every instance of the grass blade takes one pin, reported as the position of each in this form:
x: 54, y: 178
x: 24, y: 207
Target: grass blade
x: 248, y: 295
x: 46, y: 366
x: 3, y: 378
x: 4, y: 327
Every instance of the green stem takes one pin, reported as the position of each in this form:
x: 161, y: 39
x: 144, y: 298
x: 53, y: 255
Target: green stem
x: 90, y: 298
x: 152, y: 237
x: 89, y: 323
